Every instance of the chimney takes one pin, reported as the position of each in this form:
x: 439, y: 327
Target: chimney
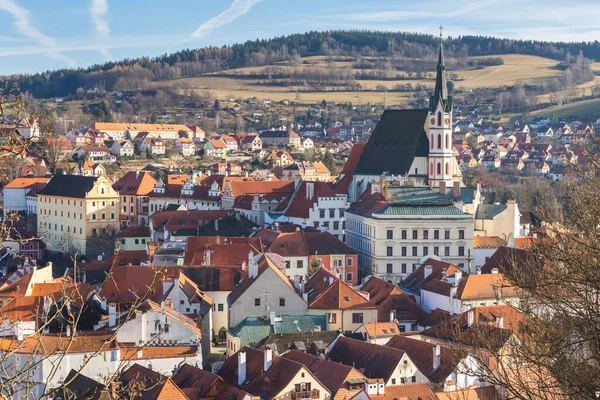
x: 437, y: 355
x: 268, y: 358
x: 470, y: 317
x: 243, y: 265
x: 241, y: 367
x: 442, y: 187
x: 99, y: 257
x: 457, y: 277
x: 310, y: 190
x: 478, y: 270
x: 392, y: 316
x: 494, y: 270
x: 276, y: 225
x: 456, y: 190
x: 112, y: 315
x: 297, y: 229
x: 428, y: 271
x: 68, y: 330
x: 330, y: 280
x: 500, y: 322
x: 137, y: 175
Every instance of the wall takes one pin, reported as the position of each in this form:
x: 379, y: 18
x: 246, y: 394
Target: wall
x: 430, y: 301
x: 286, y: 392
x: 270, y: 285
x: 480, y: 255
x: 220, y: 318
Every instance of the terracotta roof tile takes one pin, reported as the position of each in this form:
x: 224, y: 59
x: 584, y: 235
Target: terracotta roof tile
x: 135, y: 183
x: 485, y: 286
x: 26, y: 182
x: 370, y: 359
x: 340, y: 296
x: 487, y: 242
x: 381, y: 329
x: 389, y: 298
x: 415, y: 391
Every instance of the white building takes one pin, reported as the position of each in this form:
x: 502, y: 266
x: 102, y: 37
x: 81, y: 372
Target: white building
x: 15, y: 193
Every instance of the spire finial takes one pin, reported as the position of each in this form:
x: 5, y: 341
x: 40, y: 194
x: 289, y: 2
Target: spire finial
x: 441, y: 28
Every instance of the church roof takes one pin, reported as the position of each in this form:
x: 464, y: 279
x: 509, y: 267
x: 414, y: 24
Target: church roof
x: 398, y: 138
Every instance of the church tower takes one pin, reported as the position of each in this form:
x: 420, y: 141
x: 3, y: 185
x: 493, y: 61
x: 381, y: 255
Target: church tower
x: 442, y: 165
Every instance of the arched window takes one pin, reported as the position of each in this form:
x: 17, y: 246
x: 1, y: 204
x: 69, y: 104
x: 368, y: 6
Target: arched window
x: 439, y: 168
x: 447, y: 169
x: 432, y: 141
x: 439, y: 118
x: 430, y: 168
x: 447, y: 141
x: 439, y: 141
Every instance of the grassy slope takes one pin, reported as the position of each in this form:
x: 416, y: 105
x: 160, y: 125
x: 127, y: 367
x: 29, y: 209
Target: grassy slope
x: 517, y: 68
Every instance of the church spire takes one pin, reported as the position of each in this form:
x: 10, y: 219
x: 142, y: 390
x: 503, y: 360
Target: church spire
x: 441, y: 86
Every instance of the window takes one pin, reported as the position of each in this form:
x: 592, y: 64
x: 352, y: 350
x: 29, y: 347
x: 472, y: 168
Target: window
x: 403, y: 268
x: 332, y: 318
x: 439, y: 142
x: 439, y: 168
x: 393, y: 381
x: 461, y: 250
x: 390, y: 251
x: 321, y: 213
x: 336, y: 225
x: 349, y: 262
x: 257, y: 301
x: 122, y: 241
x: 447, y: 169
x: 413, y: 379
x: 317, y: 223
x: 447, y: 234
x: 93, y: 204
x: 288, y: 264
x: 125, y: 209
x: 348, y: 276
x: 94, y: 216
x: 447, y: 251
x: 404, y: 234
x: 300, y: 264
x: 403, y: 251
x: 390, y: 268
x: 390, y: 234
x: 281, y: 302
x: 332, y: 213
x: 436, y: 250
x: 425, y: 250
x: 357, y: 318
x: 143, y: 241
x: 94, y: 231
x: 461, y: 233
x: 415, y: 234
x: 414, y: 251
x: 137, y: 241
x: 326, y: 224
x: 103, y: 215
x: 112, y: 215
x: 436, y: 234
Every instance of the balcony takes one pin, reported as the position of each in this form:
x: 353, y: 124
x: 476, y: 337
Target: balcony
x: 310, y: 394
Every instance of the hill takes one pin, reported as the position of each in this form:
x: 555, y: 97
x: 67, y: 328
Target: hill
x: 373, y: 55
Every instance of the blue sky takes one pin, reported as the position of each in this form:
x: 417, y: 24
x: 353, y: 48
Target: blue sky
x: 38, y: 35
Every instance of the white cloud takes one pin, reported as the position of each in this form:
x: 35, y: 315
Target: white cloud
x: 238, y: 8
x: 23, y: 24
x: 98, y: 11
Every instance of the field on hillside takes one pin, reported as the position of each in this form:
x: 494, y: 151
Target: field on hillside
x: 581, y: 109
x: 241, y: 82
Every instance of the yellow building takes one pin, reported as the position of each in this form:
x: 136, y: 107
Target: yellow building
x: 73, y: 208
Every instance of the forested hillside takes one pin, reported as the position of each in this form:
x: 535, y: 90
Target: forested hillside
x: 189, y: 63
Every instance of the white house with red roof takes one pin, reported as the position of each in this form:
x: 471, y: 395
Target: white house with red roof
x: 314, y: 204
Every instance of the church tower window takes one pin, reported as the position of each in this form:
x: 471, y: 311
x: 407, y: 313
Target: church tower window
x: 447, y: 141
x: 439, y: 141
x: 439, y: 118
x: 432, y: 141
x: 447, y: 169
x: 439, y: 168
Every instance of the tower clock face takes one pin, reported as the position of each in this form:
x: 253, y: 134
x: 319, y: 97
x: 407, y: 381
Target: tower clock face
x: 432, y: 121
x: 447, y: 121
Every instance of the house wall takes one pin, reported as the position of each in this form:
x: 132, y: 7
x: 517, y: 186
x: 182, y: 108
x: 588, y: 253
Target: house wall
x: 150, y: 327
x: 304, y: 376
x: 430, y: 301
x: 129, y: 243
x: 269, y: 286
x: 405, y: 369
x: 220, y: 318
x: 480, y: 255
x: 294, y: 270
x: 344, y: 318
x: 14, y: 200
x: 349, y: 266
x: 368, y: 236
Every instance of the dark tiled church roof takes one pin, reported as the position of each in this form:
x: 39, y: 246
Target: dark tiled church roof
x: 398, y: 138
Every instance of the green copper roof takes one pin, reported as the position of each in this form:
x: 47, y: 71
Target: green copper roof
x: 489, y: 211
x: 422, y: 209
x: 256, y: 328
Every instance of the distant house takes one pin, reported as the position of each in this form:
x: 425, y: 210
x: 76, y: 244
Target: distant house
x: 230, y: 142
x: 186, y: 147
x: 279, y: 158
x: 89, y: 168
x: 307, y: 171
x: 215, y: 148
x: 95, y: 153
x: 280, y: 138
x: 122, y: 148
x: 251, y: 143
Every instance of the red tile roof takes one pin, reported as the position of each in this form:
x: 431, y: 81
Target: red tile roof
x: 301, y: 205
x: 226, y: 250
x: 413, y: 391
x: 340, y: 296
x: 388, y: 297
x: 135, y: 183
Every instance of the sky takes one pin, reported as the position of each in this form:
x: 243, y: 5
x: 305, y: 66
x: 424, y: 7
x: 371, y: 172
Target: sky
x: 41, y: 35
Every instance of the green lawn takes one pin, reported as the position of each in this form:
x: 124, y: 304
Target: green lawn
x: 586, y: 109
